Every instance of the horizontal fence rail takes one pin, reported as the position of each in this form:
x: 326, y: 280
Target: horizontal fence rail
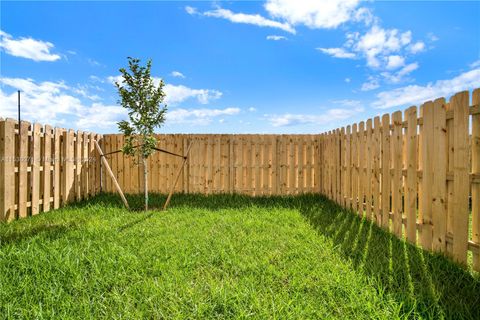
x: 248, y: 164
x: 43, y: 168
x: 415, y: 173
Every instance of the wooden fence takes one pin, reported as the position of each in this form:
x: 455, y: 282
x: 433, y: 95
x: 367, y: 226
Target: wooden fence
x: 43, y: 168
x: 416, y: 174
x: 248, y: 164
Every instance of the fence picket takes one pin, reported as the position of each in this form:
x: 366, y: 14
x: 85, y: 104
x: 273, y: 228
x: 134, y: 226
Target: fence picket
x: 369, y: 155
x: 461, y: 179
x: 411, y: 178
x: 386, y: 178
x: 396, y: 145
x: 22, y: 169
x: 439, y: 183
x: 7, y: 170
x: 475, y: 143
x: 426, y: 198
x: 57, y: 136
x: 361, y: 168
x: 35, y: 169
x: 376, y: 171
x: 47, y: 164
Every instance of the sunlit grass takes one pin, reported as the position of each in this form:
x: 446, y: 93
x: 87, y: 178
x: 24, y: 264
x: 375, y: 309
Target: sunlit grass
x: 222, y: 256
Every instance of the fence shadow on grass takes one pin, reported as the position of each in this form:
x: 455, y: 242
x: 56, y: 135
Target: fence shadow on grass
x: 427, y: 285
x: 46, y: 231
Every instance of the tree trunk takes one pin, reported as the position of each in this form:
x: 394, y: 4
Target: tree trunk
x: 145, y: 181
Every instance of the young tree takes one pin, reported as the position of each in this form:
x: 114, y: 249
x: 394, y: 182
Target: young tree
x: 146, y: 111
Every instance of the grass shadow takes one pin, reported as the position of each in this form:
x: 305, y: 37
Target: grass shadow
x: 428, y: 285
x: 135, y: 222
x: 47, y: 231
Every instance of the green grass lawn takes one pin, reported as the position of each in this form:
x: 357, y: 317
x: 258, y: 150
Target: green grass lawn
x: 222, y: 257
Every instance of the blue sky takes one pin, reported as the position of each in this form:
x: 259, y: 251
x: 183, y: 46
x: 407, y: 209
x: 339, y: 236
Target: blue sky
x: 280, y: 66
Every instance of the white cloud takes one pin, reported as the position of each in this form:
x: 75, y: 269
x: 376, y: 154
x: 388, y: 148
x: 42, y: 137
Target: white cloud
x: 378, y: 43
x: 303, y: 119
x: 383, y: 49
x: 371, y: 84
x: 416, y: 94
x: 401, y: 74
x: 348, y: 103
x: 202, y: 116
x: 177, y: 74
x: 100, y: 116
x: 276, y: 38
x: 44, y: 102
x: 337, y: 53
x: 114, y: 79
x: 28, y: 48
x: 254, y: 19
x: 94, y: 63
x: 416, y: 47
x: 190, y: 10
x: 178, y: 93
x: 366, y: 16
x: 94, y: 78
x: 313, y: 14
x: 348, y: 80
x: 84, y: 91
x: 56, y: 103
x: 432, y: 37
x: 394, y: 62
x: 475, y: 64
x: 252, y: 109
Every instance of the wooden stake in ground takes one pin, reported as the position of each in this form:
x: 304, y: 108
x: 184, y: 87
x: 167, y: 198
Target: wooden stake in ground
x: 185, y: 158
x: 117, y: 186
